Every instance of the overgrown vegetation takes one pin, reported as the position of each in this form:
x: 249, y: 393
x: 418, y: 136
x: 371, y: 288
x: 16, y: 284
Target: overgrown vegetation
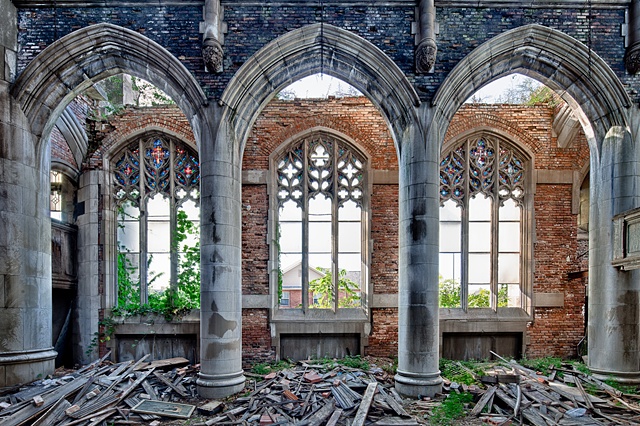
x: 175, y: 301
x: 452, y: 408
x: 323, y: 288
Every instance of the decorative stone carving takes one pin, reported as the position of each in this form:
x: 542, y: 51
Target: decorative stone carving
x: 632, y: 58
x: 212, y: 54
x: 426, y: 55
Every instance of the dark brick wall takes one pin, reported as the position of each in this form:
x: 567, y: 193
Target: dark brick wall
x: 250, y: 27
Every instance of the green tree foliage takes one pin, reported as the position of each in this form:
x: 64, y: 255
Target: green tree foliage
x: 450, y: 294
x: 323, y: 288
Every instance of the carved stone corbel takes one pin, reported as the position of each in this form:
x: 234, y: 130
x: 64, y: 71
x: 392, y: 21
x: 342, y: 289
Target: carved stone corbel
x: 426, y: 36
x: 213, y: 29
x: 632, y: 55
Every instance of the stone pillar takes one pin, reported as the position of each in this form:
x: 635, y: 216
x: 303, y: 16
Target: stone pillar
x: 88, y: 299
x: 26, y: 352
x: 614, y: 301
x: 418, y: 311
x: 213, y: 29
x: 221, y: 372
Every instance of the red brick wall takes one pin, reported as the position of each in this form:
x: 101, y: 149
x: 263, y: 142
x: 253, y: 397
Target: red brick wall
x: 256, y: 337
x: 133, y: 121
x: 554, y: 331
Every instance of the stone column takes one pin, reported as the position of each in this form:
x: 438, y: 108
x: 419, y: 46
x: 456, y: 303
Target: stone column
x: 26, y: 352
x: 418, y: 311
x: 614, y: 303
x: 221, y: 372
x: 88, y: 299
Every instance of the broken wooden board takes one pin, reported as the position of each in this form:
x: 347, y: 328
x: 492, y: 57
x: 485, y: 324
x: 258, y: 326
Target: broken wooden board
x: 166, y: 409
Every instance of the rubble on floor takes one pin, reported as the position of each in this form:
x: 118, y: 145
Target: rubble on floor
x: 308, y: 393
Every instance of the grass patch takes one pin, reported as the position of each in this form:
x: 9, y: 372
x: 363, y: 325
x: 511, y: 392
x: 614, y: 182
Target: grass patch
x: 451, y: 409
x: 452, y: 371
x: 269, y: 367
x: 542, y: 365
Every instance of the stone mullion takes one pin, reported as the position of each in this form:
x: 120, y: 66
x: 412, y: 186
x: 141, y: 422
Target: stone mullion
x: 495, y: 220
x: 305, y: 228
x: 464, y: 247
x: 173, y: 207
x: 335, y: 226
x: 142, y: 267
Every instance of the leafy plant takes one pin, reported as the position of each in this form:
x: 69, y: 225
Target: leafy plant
x: 450, y: 295
x: 323, y: 288
x: 543, y: 365
x: 452, y: 371
x: 451, y: 409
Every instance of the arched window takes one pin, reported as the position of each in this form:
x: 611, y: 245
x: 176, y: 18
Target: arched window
x: 156, y: 183
x: 320, y: 202
x: 483, y: 224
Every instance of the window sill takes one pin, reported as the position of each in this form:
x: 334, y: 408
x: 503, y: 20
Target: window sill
x: 319, y: 315
x: 484, y: 320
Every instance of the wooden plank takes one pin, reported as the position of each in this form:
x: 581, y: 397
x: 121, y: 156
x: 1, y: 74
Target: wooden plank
x: 167, y: 382
x: 319, y: 416
x: 528, y: 413
x: 399, y: 409
x: 169, y: 363
x: 333, y: 420
x: 30, y: 412
x: 483, y: 401
x: 365, y: 404
x: 51, y: 416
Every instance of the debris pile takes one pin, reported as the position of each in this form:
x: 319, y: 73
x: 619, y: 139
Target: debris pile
x: 137, y: 393
x: 516, y: 395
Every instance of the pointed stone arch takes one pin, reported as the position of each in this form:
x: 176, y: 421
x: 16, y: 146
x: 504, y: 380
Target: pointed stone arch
x: 78, y: 60
x: 312, y: 49
x: 564, y: 64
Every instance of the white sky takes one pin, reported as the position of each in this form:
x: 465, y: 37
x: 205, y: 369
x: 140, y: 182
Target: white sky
x: 321, y: 86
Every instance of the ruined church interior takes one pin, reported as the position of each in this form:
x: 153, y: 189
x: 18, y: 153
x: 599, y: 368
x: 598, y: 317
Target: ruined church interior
x: 170, y: 187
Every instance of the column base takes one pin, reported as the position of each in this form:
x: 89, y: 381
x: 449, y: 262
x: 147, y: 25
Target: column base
x: 220, y: 386
x: 623, y: 377
x: 17, y: 368
x: 416, y: 385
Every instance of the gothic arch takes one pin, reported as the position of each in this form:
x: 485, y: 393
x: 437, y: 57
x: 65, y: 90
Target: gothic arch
x: 312, y: 49
x: 580, y: 76
x: 78, y: 60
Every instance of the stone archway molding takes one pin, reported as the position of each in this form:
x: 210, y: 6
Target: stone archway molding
x: 82, y: 58
x: 559, y: 61
x: 312, y: 49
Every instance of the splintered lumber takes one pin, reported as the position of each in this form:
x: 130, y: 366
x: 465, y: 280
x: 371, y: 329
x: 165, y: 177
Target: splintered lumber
x: 528, y: 413
x: 396, y: 421
x: 29, y: 412
x: 488, y: 395
x: 333, y: 420
x: 169, y: 363
x: 319, y: 416
x: 395, y: 406
x: 53, y: 414
x: 365, y: 404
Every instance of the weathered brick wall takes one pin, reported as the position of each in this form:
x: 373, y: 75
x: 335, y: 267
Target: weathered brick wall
x: 256, y: 337
x: 251, y: 26
x: 355, y: 117
x: 383, y: 340
x: 555, y: 331
x: 60, y: 149
x: 132, y: 121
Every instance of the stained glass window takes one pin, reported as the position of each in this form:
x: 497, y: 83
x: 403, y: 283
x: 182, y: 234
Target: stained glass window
x: 56, y: 195
x: 320, y: 193
x: 482, y: 198
x: 156, y: 183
